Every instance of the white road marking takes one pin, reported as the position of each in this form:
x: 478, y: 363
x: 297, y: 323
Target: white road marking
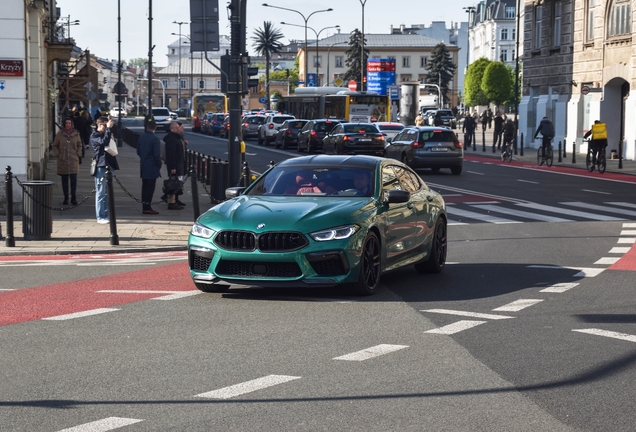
x: 456, y: 327
x: 138, y: 291
x: 517, y: 305
x: 178, y: 295
x: 568, y: 212
x: 453, y: 222
x: 601, y: 208
x: 524, y: 214
x: 628, y: 232
x: 247, y: 387
x: 475, y: 172
x: 6, y: 289
x: 607, y: 260
x: 528, y: 181
x: 467, y: 314
x: 560, y: 287
x: 478, y: 216
x: 609, y: 334
x: 103, y: 425
x: 583, y: 271
x: 627, y: 240
x: 81, y: 314
x: 619, y: 250
x: 372, y: 352
x: 597, y: 192
x: 628, y: 224
x: 624, y: 204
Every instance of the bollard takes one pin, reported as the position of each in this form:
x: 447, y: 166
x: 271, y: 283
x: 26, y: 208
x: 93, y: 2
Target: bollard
x: 564, y: 145
x: 620, y: 154
x: 208, y: 168
x: 247, y: 175
x: 560, y: 160
x: 521, y: 145
x: 195, y: 193
x: 112, y: 218
x: 218, y: 181
x: 9, y: 240
x: 574, y: 151
x: 214, y: 167
x: 483, y: 140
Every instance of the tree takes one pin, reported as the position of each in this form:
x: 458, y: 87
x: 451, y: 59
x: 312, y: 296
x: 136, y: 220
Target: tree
x: 283, y: 75
x: 441, y: 70
x: 473, y: 94
x: 138, y: 62
x: 496, y: 83
x: 267, y: 41
x: 353, y: 58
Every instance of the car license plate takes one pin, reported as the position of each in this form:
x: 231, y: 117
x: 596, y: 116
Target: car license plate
x: 365, y: 140
x: 439, y: 149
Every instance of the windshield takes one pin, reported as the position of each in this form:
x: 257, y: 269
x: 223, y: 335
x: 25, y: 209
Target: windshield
x: 356, y: 128
x: 325, y: 126
x: 391, y: 127
x: 315, y: 181
x: 160, y: 112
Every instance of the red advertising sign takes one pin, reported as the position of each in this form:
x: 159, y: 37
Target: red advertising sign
x: 11, y: 68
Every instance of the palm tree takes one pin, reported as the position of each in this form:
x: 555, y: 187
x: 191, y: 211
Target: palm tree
x: 267, y: 42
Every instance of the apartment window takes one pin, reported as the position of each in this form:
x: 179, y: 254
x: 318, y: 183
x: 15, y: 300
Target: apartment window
x: 165, y: 83
x: 514, y: 34
x: 406, y: 61
x: 183, y: 84
x: 556, y: 34
x: 423, y: 62
x: 504, y: 55
x: 510, y: 12
x: 620, y: 18
x: 589, y: 25
x: 405, y: 78
x: 317, y: 62
x: 201, y: 84
x: 339, y: 62
x: 218, y: 84
x: 504, y: 34
x: 513, y: 54
x: 538, y: 17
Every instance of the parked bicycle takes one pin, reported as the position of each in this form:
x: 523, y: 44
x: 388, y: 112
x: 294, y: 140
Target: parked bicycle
x: 601, y: 161
x: 548, y: 158
x: 506, y: 154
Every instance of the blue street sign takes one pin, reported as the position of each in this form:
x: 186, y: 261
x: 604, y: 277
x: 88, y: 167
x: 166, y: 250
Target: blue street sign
x: 262, y: 99
x: 394, y: 92
x: 311, y: 80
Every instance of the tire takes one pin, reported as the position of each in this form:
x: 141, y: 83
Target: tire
x: 539, y: 160
x: 310, y: 149
x: 212, y: 288
x: 601, y: 162
x: 508, y: 156
x: 456, y: 170
x: 436, y: 260
x: 299, y: 149
x: 277, y: 144
x: 369, y: 266
x: 405, y: 160
x: 285, y: 145
x: 549, y: 158
x: 260, y: 140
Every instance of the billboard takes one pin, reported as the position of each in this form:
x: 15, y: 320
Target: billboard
x: 380, y: 75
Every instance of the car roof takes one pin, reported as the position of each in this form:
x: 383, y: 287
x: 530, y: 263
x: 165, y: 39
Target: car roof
x: 360, y: 161
x: 388, y: 124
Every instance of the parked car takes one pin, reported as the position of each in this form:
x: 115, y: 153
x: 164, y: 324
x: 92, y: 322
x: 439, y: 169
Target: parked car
x: 389, y: 130
x: 427, y: 147
x: 320, y: 221
x: 114, y: 112
x: 251, y: 123
x: 267, y: 131
x: 206, y: 123
x: 183, y: 112
x: 173, y: 115
x: 311, y: 136
x: 354, y: 138
x: 288, y: 133
x: 216, y: 122
x: 162, y: 118
x: 442, y: 117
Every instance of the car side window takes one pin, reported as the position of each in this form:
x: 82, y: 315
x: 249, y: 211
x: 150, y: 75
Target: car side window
x: 389, y: 179
x: 307, y: 126
x: 336, y: 130
x: 408, y: 180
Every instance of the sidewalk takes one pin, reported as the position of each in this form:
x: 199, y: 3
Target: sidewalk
x: 530, y: 154
x: 76, y: 231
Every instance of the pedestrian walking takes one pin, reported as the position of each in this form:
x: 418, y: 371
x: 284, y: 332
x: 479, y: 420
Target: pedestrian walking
x: 469, y: 130
x: 175, y: 165
x: 484, y: 120
x: 419, y: 120
x: 149, y: 151
x: 496, y: 136
x: 68, y: 148
x: 489, y: 116
x: 100, y: 139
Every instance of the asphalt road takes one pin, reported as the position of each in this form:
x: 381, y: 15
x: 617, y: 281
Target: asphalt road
x: 531, y: 327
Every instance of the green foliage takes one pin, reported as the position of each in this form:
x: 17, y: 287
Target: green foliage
x: 282, y: 76
x: 474, y: 94
x: 441, y: 69
x: 267, y: 41
x: 496, y: 83
x: 353, y: 54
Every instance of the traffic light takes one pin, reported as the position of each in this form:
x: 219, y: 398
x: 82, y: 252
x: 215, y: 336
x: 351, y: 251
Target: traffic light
x: 248, y: 82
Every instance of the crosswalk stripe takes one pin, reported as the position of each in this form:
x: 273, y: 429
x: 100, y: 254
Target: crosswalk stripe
x: 455, y: 327
x: 560, y: 287
x: 467, y: 314
x: 103, y: 425
x: 629, y: 240
x: 454, y: 222
x: 582, y: 271
x: 630, y: 224
x: 624, y: 204
x: 372, y: 352
x: 478, y: 216
x: 606, y: 209
x: 517, y: 305
x: 628, y: 232
x: 609, y: 334
x: 81, y: 314
x: 568, y: 212
x: 523, y: 214
x: 247, y: 387
x: 619, y: 250
x: 607, y: 260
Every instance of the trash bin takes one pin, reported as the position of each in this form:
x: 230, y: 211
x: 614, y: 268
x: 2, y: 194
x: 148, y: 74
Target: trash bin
x: 37, y: 220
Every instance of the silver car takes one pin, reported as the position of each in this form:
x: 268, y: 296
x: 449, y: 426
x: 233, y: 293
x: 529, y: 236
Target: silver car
x: 427, y: 147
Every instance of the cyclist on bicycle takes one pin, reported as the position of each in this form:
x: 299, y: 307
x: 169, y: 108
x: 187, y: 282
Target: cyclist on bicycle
x: 546, y: 129
x: 599, y: 138
x: 508, y: 133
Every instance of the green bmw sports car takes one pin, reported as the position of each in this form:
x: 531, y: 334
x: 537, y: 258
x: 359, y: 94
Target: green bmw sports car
x: 320, y: 221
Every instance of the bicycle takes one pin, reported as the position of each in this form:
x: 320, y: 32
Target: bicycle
x: 601, y: 161
x: 506, y: 154
x: 548, y: 158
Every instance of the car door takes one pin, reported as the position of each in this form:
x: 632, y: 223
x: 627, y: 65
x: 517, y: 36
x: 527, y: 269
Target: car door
x: 399, y: 219
x: 392, y: 149
x: 329, y: 141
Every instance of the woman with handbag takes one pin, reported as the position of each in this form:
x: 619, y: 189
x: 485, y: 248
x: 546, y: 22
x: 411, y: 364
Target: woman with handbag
x: 100, y: 140
x: 67, y: 147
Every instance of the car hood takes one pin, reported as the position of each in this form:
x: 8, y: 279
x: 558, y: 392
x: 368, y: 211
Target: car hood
x: 280, y: 213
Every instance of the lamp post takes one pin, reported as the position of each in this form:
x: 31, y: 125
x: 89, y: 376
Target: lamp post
x: 329, y: 58
x: 69, y: 23
x: 317, y: 33
x: 517, y: 78
x: 362, y: 68
x: 191, y: 68
x: 163, y: 89
x: 305, y: 19
x: 179, y: 23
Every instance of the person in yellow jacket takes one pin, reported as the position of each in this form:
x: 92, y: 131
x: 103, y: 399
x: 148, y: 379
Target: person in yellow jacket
x: 599, y: 138
x: 67, y: 147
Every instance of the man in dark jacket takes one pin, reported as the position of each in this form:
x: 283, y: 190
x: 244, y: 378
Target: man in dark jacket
x: 496, y: 137
x: 149, y: 151
x: 546, y: 129
x: 175, y: 164
x: 469, y: 130
x: 100, y: 139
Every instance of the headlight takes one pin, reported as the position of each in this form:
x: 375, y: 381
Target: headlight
x: 201, y: 231
x: 337, y: 233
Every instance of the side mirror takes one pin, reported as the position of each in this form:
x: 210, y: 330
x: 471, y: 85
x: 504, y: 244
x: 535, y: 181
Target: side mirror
x: 233, y: 192
x: 393, y: 196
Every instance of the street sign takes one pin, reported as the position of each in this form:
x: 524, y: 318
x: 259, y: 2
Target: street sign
x: 338, y: 81
x: 90, y: 95
x: 394, y: 92
x: 353, y: 86
x: 311, y: 80
x: 585, y: 90
x: 262, y: 99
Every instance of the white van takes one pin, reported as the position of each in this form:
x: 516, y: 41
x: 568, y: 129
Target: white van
x: 162, y: 118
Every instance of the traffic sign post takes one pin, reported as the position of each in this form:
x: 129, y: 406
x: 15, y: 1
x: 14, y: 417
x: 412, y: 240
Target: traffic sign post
x: 353, y: 85
x: 311, y: 80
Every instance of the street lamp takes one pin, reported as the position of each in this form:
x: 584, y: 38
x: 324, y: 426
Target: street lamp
x: 191, y: 68
x: 329, y: 58
x: 68, y: 24
x: 179, y: 23
x: 304, y: 19
x: 362, y: 71
x: 317, y: 33
x: 163, y: 89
